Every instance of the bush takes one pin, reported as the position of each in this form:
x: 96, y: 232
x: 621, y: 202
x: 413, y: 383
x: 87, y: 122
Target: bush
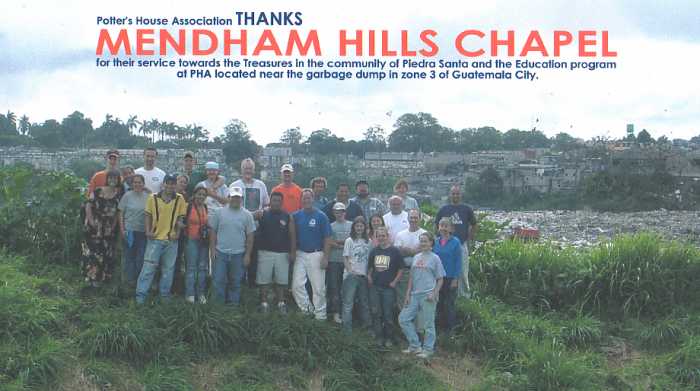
x: 39, y: 213
x: 121, y: 334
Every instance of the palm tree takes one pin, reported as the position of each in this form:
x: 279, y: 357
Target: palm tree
x: 132, y: 122
x: 11, y: 118
x: 24, y: 125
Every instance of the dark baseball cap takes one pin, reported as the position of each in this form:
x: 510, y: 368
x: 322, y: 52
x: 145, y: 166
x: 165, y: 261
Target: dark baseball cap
x: 170, y: 178
x: 113, y: 152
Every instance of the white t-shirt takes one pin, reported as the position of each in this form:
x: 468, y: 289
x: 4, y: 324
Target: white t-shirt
x: 408, y: 239
x: 395, y: 223
x: 358, y: 252
x: 153, y: 177
x: 255, y: 195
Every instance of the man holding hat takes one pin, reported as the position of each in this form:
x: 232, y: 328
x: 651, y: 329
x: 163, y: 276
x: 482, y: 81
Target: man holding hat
x: 100, y: 177
x: 164, y: 220
x: 189, y: 161
x: 217, y: 193
x: 290, y: 190
x: 230, y: 246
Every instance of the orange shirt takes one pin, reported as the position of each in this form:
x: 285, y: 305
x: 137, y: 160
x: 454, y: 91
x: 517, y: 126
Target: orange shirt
x: 193, y: 222
x: 97, y: 180
x: 292, y: 197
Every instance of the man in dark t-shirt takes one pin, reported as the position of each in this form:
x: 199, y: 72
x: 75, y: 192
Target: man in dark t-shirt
x: 342, y: 194
x: 384, y: 272
x: 276, y: 240
x: 464, y: 224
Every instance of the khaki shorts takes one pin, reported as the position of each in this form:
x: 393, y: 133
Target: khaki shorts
x: 271, y: 264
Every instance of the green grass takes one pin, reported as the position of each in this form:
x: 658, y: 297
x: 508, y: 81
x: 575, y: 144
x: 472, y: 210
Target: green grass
x: 120, y: 333
x: 684, y: 364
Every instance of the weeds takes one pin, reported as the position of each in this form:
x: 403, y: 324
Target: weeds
x: 684, y: 364
x: 120, y: 334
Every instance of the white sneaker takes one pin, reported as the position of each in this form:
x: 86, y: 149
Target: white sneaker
x: 190, y: 299
x: 337, y: 319
x: 202, y: 300
x: 412, y: 351
x: 424, y: 355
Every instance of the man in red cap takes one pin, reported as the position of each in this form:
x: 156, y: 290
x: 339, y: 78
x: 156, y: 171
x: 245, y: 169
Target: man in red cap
x: 100, y: 177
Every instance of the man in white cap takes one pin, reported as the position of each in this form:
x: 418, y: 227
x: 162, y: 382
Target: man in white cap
x: 230, y: 246
x: 290, y: 190
x: 217, y: 193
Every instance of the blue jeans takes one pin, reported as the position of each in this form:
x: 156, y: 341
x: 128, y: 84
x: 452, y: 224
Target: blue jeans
x: 382, y: 300
x: 334, y: 284
x: 228, y: 275
x: 133, y: 256
x: 355, y: 286
x: 158, y: 253
x: 447, y: 311
x: 419, y: 304
x: 197, y: 257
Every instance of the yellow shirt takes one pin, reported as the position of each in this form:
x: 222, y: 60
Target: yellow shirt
x: 163, y: 220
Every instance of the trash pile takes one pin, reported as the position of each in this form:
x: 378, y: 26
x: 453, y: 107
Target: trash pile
x: 586, y: 228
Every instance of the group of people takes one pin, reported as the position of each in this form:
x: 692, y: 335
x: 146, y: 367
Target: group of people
x: 340, y: 257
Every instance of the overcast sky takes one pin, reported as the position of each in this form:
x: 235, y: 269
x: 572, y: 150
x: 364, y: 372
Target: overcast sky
x: 47, y: 70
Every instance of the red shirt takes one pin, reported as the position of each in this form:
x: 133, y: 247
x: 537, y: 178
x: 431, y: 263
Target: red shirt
x: 193, y: 221
x: 292, y: 197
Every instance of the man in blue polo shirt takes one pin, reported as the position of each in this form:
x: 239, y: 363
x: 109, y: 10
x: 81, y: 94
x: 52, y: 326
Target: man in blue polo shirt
x: 313, y: 235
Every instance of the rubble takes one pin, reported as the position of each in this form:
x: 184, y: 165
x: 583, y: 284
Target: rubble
x: 586, y: 228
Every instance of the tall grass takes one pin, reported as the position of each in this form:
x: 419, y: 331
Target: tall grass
x: 643, y: 274
x: 531, y: 348
x: 638, y: 275
x: 24, y: 314
x: 121, y: 334
x: 531, y: 274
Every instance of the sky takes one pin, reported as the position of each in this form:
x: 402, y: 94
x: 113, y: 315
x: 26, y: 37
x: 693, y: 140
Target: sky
x: 47, y: 69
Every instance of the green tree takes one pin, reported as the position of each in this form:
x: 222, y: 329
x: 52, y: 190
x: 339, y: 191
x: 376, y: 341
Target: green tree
x: 564, y: 142
x: 491, y: 183
x: 24, y: 125
x: 644, y: 137
x: 48, y: 134
x: 76, y: 127
x: 236, y: 142
x: 487, y: 138
x: 419, y: 132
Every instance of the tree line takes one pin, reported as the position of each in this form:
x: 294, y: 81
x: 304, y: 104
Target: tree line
x: 412, y: 132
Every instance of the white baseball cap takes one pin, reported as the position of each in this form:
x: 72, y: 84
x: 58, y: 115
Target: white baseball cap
x: 235, y: 191
x: 287, y: 167
x: 211, y: 166
x: 338, y: 206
